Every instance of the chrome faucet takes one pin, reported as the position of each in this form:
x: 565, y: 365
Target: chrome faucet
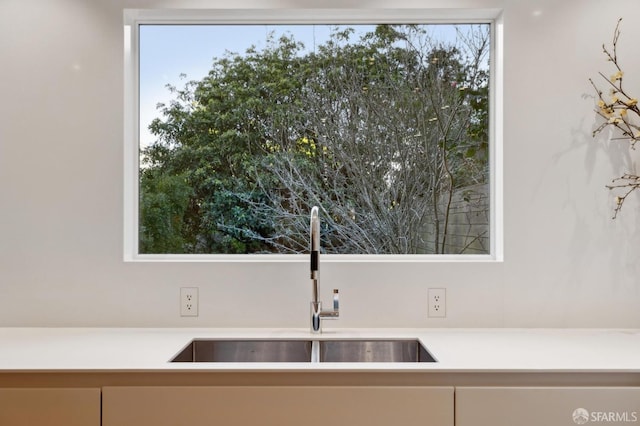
x: 317, y: 314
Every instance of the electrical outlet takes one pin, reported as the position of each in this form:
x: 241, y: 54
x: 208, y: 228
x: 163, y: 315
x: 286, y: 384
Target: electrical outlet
x: 189, y: 301
x: 437, y: 303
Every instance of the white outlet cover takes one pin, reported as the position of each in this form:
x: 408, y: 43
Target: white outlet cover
x: 189, y: 301
x: 437, y: 303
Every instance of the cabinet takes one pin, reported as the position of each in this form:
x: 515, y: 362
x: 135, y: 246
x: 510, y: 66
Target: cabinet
x: 535, y: 406
x: 277, y: 405
x: 51, y: 407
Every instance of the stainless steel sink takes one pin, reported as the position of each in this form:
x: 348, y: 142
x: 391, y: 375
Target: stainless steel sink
x: 202, y: 350
x: 326, y: 350
x: 374, y: 351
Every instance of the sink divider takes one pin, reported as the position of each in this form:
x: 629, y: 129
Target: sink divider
x: 315, y: 351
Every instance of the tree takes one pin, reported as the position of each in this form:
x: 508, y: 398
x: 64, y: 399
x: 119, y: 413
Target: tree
x: 214, y: 133
x: 392, y: 129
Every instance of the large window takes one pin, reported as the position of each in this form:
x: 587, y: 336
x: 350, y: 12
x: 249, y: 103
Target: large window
x: 242, y: 124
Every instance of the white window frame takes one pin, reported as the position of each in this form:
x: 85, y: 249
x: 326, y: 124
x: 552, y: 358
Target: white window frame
x: 133, y: 18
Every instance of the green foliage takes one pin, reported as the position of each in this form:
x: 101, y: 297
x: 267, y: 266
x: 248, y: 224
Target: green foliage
x: 163, y: 202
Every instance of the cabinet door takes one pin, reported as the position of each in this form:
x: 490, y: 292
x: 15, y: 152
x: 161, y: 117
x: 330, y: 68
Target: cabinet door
x: 276, y: 405
x: 50, y: 407
x: 510, y: 406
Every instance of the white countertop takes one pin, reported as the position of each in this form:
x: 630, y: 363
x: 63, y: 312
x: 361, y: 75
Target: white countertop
x: 456, y: 350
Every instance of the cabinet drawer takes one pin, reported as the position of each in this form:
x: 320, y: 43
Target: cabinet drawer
x: 50, y: 407
x: 526, y: 406
x: 277, y: 405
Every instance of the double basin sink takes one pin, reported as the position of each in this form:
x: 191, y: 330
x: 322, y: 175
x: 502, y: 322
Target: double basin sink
x: 370, y: 350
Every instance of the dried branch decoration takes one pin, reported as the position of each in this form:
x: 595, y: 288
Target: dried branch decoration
x: 620, y: 110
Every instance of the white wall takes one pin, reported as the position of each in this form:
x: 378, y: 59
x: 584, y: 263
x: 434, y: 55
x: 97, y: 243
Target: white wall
x: 61, y: 165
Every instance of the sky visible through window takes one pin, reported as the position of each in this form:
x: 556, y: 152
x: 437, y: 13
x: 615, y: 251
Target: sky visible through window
x: 385, y: 127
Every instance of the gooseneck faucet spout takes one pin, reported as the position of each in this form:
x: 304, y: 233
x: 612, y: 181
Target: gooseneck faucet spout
x: 317, y: 314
